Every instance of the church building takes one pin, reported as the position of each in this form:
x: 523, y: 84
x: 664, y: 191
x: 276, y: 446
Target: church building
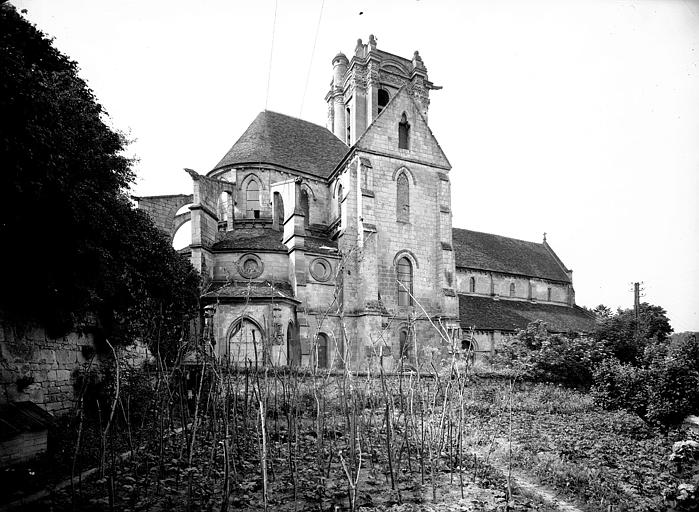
x: 334, y: 247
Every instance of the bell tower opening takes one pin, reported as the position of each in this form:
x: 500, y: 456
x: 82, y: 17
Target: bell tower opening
x: 383, y: 98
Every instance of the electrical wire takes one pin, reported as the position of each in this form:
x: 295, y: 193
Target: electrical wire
x: 271, y: 52
x: 310, y: 63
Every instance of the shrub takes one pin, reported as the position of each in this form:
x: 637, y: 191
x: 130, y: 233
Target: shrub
x: 620, y: 386
x: 663, y: 392
x: 544, y: 357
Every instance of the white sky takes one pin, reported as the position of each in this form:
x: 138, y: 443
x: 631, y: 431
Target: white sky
x: 578, y: 118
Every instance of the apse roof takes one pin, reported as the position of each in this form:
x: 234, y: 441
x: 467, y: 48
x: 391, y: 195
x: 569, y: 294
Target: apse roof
x: 486, y: 313
x: 484, y: 251
x: 289, y: 142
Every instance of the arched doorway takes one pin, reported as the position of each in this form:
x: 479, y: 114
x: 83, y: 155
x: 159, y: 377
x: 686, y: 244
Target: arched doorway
x: 245, y: 343
x: 293, y: 346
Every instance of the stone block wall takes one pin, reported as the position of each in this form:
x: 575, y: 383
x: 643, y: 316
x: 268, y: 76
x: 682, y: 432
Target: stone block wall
x: 22, y: 447
x: 40, y: 369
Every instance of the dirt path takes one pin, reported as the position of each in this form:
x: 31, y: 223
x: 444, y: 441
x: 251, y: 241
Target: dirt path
x: 521, y: 480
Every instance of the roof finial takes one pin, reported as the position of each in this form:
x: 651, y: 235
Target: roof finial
x: 544, y: 236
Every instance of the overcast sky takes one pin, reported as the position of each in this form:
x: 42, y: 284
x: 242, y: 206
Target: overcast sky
x: 577, y: 118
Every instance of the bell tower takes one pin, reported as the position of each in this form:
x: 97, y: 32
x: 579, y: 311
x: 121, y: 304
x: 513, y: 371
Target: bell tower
x: 362, y: 87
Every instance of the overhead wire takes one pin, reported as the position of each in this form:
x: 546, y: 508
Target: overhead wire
x: 271, y: 52
x: 310, y: 63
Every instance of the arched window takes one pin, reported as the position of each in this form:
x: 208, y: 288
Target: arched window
x: 402, y: 198
x: 472, y: 285
x: 245, y: 342
x: 404, y: 133
x: 349, y: 127
x: 305, y: 208
x: 382, y: 99
x: 404, y: 274
x: 512, y: 289
x: 252, y: 200
x: 279, y: 210
x: 404, y: 344
x: 322, y: 350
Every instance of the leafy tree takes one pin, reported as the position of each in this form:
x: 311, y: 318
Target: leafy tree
x: 628, y: 338
x: 73, y: 245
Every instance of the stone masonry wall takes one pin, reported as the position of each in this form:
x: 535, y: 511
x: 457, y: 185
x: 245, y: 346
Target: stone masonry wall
x: 23, y: 447
x: 42, y: 366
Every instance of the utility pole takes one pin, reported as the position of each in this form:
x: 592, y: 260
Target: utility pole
x: 637, y: 294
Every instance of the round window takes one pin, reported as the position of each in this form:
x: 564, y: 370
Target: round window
x: 250, y: 266
x: 321, y: 270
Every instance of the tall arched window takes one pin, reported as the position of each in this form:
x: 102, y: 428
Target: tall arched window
x: 252, y: 200
x: 305, y: 208
x: 472, y: 285
x: 322, y: 348
x: 382, y: 99
x: 402, y: 199
x: 404, y: 133
x: 404, y: 343
x: 404, y: 274
x: 245, y: 342
x: 512, y: 289
x: 279, y: 210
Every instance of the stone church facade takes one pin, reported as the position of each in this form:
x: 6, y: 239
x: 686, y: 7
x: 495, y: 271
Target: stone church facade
x: 334, y: 246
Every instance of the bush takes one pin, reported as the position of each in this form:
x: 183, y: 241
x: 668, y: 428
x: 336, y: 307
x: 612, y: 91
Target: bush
x: 663, y: 392
x: 620, y: 386
x: 543, y: 357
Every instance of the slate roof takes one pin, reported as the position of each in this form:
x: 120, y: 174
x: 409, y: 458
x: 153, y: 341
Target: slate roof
x: 251, y: 239
x: 18, y: 417
x: 484, y: 251
x: 244, y: 289
x: 485, y: 313
x: 288, y: 142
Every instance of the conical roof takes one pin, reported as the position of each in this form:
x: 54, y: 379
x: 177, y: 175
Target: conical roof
x: 289, y: 142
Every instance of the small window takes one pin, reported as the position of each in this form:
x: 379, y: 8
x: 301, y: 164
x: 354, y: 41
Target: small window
x: 349, y: 127
x: 404, y: 344
x: 548, y: 294
x: 512, y: 289
x: 383, y: 99
x: 403, y: 133
x: 404, y: 274
x: 472, y: 285
x: 322, y: 348
x: 279, y: 210
x: 402, y: 199
x: 305, y: 208
x: 252, y: 200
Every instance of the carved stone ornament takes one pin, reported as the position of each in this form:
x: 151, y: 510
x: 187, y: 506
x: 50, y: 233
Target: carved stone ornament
x: 321, y: 269
x: 250, y: 266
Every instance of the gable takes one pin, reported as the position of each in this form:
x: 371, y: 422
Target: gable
x: 382, y: 136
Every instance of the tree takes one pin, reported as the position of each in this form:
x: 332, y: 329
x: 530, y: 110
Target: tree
x: 73, y: 244
x: 628, y: 338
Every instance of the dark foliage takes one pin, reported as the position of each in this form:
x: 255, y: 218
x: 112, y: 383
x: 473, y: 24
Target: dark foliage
x: 74, y: 246
x: 663, y: 391
x: 545, y: 357
x: 625, y: 337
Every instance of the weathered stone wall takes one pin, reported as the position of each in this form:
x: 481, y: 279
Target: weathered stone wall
x: 526, y: 288
x: 25, y: 446
x: 44, y: 367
